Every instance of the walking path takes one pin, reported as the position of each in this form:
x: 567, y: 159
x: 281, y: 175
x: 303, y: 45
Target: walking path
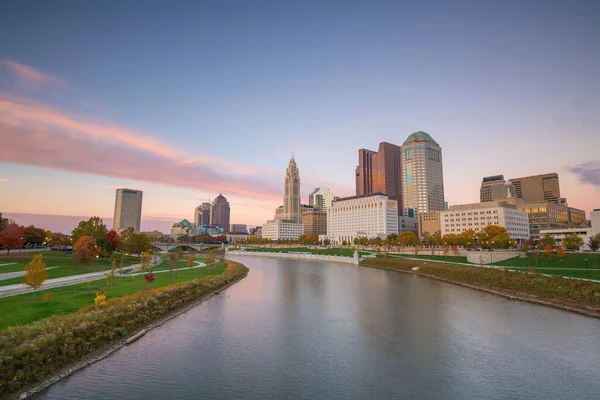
x: 199, y: 265
x: 13, y: 290
x: 11, y: 275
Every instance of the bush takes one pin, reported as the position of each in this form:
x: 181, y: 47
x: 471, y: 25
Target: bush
x: 555, y: 289
x: 32, y: 352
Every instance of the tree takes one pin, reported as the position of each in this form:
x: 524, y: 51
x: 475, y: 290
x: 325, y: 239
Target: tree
x: 408, y: 239
x: 100, y: 300
x: 190, y: 261
x: 572, y: 241
x: 210, y: 258
x: 113, y: 237
x: 3, y: 223
x: 132, y: 242
x: 548, y: 250
x: 326, y: 242
x: 179, y: 253
x: 35, y: 273
x: 455, y: 251
x: 34, y: 236
x: 57, y: 239
x: 106, y: 247
x: 93, y: 227
x: 47, y: 297
x: 450, y: 239
x: 547, y: 240
x: 149, y: 277
x: 467, y: 238
x: 594, y: 242
x: 145, y: 260
x: 493, y: 236
x: 85, y: 249
x: 561, y: 252
x: 12, y: 237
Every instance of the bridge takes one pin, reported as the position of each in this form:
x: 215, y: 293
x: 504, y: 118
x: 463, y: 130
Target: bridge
x: 194, y: 246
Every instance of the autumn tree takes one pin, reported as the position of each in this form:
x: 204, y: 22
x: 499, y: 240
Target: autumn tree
x: 3, y: 223
x: 561, y: 252
x: 132, y: 242
x: 450, y: 239
x: 145, y: 260
x: 35, y: 273
x: 12, y: 237
x: 467, y: 238
x: 34, y: 236
x: 47, y: 297
x: 548, y: 250
x: 446, y: 251
x: 455, y: 251
x: 594, y: 242
x: 210, y: 258
x: 572, y: 241
x: 58, y: 240
x: 547, y: 240
x: 173, y: 258
x: 93, y: 227
x: 85, y: 249
x: 408, y: 239
x: 190, y: 261
x: 149, y: 277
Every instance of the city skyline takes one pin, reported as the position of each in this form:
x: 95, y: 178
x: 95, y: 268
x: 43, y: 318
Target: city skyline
x: 81, y: 118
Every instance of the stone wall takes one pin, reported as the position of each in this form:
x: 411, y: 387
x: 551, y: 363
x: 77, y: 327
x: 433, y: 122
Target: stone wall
x: 298, y: 256
x: 489, y: 257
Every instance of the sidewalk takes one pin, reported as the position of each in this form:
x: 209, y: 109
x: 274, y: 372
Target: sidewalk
x: 13, y: 290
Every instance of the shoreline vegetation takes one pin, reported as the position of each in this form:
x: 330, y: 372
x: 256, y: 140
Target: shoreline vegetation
x: 567, y: 294
x: 34, y: 356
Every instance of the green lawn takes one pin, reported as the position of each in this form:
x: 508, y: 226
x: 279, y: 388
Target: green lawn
x: 448, y: 258
x: 573, y: 265
x: 67, y: 265
x: 332, y: 252
x: 25, y: 308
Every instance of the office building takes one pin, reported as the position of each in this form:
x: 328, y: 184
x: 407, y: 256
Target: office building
x: 576, y: 217
x: 495, y: 188
x: 408, y: 224
x: 282, y: 230
x: 538, y: 188
x: 219, y: 212
x: 380, y: 172
x: 155, y: 235
x: 183, y: 227
x: 545, y: 215
x: 429, y: 222
x: 128, y: 209
x: 202, y: 214
x: 422, y: 175
x: 477, y: 216
x: 315, y: 222
x: 321, y: 198
x: 585, y: 233
x: 291, y: 197
x: 370, y: 215
x: 238, y: 228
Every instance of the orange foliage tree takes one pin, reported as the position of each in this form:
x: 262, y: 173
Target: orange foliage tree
x: 548, y: 251
x: 190, y: 261
x: 561, y: 252
x: 85, y: 249
x: 35, y: 273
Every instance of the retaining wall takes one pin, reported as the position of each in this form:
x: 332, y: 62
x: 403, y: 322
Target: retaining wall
x: 298, y: 256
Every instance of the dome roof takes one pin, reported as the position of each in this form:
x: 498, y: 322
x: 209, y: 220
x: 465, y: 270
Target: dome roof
x: 419, y: 136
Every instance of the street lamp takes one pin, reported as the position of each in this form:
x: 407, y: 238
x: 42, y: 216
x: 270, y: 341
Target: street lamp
x: 587, y: 273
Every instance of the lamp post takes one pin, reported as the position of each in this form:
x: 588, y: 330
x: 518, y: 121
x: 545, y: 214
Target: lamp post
x: 587, y: 272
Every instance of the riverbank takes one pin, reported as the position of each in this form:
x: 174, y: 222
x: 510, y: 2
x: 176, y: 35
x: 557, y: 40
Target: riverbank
x: 37, y: 355
x: 571, y: 295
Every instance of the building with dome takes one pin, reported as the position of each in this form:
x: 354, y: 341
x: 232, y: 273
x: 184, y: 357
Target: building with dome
x: 422, y: 175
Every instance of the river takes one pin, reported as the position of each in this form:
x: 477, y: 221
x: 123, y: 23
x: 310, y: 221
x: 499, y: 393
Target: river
x: 318, y: 330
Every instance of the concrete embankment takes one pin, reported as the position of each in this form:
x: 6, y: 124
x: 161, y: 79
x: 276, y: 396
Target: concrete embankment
x: 296, y: 256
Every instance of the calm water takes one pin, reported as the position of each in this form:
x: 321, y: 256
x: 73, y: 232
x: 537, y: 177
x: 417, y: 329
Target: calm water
x: 299, y: 329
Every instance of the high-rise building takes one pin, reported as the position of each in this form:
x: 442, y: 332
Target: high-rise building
x: 477, y: 216
x: 422, y: 175
x: 380, y: 172
x: 495, y: 188
x: 545, y: 215
x: 219, y: 212
x: 370, y: 215
x: 238, y: 228
x: 321, y: 198
x: 202, y: 215
x: 429, y: 222
x: 538, y: 188
x: 315, y: 222
x: 128, y: 209
x: 291, y: 197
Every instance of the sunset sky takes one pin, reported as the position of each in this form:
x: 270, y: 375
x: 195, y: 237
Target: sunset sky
x: 186, y: 100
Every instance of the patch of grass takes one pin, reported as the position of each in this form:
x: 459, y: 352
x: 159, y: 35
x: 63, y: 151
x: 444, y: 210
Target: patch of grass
x: 573, y: 265
x: 67, y: 265
x: 23, y: 309
x: 448, y: 258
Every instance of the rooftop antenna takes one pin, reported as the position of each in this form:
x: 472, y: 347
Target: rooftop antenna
x: 292, y: 155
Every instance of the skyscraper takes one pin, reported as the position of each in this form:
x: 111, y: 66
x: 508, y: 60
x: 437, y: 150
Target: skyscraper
x: 128, y: 209
x: 219, y: 213
x: 321, y: 198
x: 422, y: 175
x: 202, y: 215
x: 495, y: 188
x: 380, y: 172
x: 538, y: 188
x: 291, y: 197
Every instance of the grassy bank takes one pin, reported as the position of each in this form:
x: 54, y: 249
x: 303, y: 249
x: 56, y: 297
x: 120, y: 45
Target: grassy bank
x: 583, y: 296
x: 24, y: 308
x: 32, y: 352
x: 572, y: 265
x: 66, y: 264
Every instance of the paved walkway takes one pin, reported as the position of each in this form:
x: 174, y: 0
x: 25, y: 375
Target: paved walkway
x: 16, y: 274
x: 13, y: 290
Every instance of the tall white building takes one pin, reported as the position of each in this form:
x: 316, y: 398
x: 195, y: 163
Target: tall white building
x: 370, y: 215
x: 128, y: 209
x: 477, y: 216
x: 282, y: 229
x: 291, y: 197
x: 321, y: 198
x: 422, y: 175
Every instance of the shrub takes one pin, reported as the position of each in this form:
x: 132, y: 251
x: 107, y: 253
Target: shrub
x: 31, y: 352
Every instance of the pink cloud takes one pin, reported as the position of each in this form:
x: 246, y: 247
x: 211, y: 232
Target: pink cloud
x: 29, y: 76
x: 38, y: 135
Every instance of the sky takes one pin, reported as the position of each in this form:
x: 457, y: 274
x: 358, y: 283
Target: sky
x: 185, y: 100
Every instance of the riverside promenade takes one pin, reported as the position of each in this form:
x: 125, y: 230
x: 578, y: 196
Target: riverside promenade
x: 13, y: 290
x: 296, y: 256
